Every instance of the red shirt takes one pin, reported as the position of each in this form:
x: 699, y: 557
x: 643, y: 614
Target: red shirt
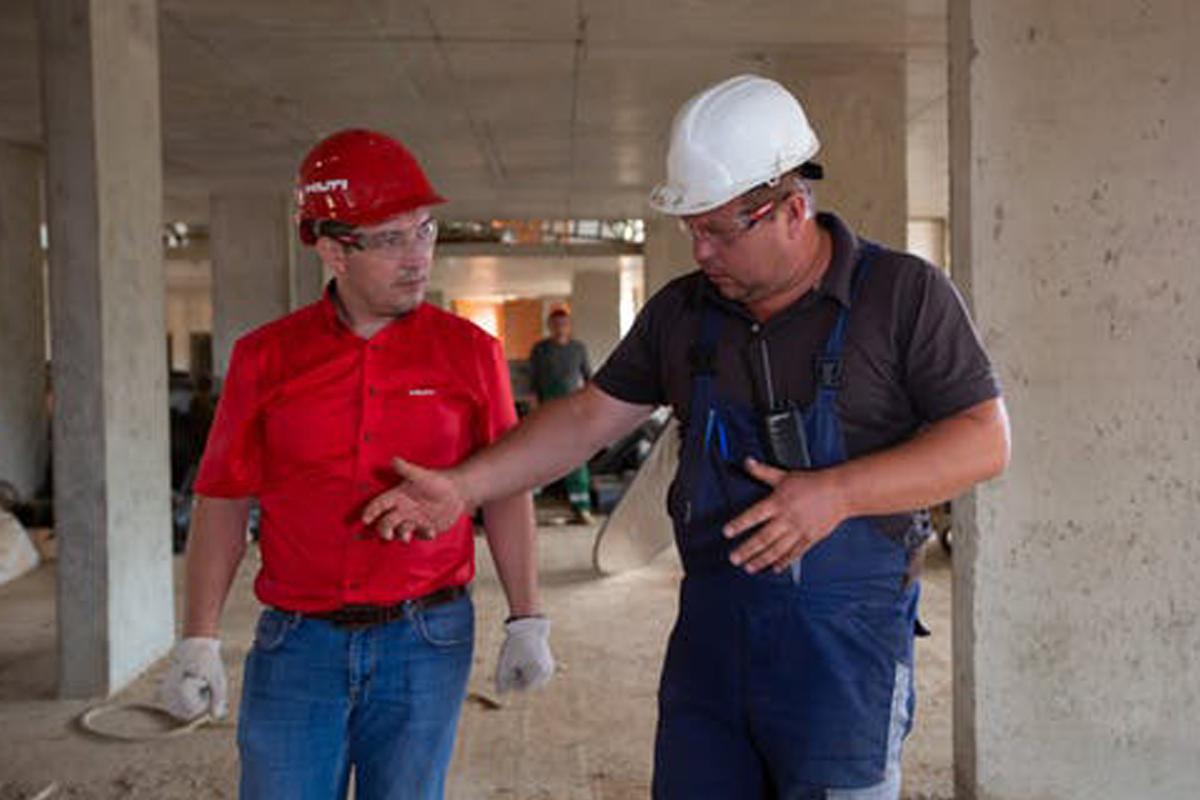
x: 309, y: 419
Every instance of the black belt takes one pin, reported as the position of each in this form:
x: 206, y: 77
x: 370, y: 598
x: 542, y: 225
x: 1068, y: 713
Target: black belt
x: 364, y: 616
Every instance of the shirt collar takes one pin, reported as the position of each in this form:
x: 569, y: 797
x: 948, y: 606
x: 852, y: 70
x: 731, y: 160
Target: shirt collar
x: 835, y: 283
x: 837, y: 279
x: 329, y: 313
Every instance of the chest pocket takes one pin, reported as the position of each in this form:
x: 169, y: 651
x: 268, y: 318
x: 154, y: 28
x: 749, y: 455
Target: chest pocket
x: 310, y: 422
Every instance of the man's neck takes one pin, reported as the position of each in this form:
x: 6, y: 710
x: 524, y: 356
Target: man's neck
x: 360, y: 321
x: 811, y: 265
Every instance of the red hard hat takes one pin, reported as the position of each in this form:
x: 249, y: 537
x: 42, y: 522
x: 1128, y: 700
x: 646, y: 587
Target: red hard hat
x: 359, y: 177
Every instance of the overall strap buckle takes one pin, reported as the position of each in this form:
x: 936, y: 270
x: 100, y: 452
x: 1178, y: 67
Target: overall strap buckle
x: 829, y: 371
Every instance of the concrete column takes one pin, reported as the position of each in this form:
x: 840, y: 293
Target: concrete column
x: 1074, y: 184
x: 249, y: 243
x: 100, y: 101
x: 595, y: 311
x: 633, y: 290
x: 667, y: 253
x: 22, y: 323
x: 856, y: 104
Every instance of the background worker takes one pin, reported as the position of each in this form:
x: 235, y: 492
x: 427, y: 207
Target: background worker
x: 559, y: 365
x: 827, y: 389
x: 361, y: 656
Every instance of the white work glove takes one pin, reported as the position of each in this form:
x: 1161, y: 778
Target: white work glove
x: 195, y: 683
x: 525, y: 658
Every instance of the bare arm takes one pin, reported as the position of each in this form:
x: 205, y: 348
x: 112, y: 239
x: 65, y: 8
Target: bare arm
x: 510, y: 534
x: 216, y: 545
x: 551, y: 441
x: 941, y: 462
x: 547, y: 444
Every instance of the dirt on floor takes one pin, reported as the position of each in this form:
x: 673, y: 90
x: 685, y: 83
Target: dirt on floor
x: 589, y: 735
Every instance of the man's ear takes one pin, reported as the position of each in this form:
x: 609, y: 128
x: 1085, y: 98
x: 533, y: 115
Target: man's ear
x: 796, y: 209
x: 332, y: 254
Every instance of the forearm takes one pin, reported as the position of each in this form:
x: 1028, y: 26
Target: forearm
x: 550, y: 442
x: 509, y: 523
x: 216, y: 545
x: 940, y: 463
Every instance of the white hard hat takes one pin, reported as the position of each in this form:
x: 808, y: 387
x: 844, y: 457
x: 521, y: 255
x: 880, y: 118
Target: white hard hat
x: 729, y: 138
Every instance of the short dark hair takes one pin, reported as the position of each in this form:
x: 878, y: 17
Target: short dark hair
x: 558, y: 312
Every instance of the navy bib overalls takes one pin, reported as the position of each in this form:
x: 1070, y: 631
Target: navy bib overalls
x: 776, y: 685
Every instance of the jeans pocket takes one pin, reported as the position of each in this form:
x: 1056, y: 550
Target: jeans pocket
x: 448, y: 625
x: 273, y: 629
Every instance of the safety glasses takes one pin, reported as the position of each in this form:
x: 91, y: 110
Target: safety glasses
x: 421, y: 236
x: 727, y: 233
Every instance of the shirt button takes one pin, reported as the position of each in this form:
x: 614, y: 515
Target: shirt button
x: 366, y: 437
x: 371, y: 391
x: 755, y: 328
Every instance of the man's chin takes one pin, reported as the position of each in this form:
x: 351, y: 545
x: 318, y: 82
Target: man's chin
x: 399, y: 306
x: 729, y: 290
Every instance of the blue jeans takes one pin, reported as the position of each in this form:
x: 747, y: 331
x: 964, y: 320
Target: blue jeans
x: 318, y: 700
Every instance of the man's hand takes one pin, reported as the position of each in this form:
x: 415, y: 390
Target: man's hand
x: 525, y: 658
x: 802, y: 510
x: 425, y: 503
x: 195, y: 683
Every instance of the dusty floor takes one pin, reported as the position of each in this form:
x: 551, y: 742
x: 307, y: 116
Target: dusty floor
x: 588, y: 735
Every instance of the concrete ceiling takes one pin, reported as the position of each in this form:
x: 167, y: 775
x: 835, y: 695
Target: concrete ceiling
x: 524, y: 108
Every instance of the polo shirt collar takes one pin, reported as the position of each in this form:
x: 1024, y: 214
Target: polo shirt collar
x: 834, y: 284
x: 837, y: 279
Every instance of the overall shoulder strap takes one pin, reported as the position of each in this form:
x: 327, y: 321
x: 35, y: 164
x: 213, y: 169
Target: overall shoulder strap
x: 703, y: 363
x: 828, y: 368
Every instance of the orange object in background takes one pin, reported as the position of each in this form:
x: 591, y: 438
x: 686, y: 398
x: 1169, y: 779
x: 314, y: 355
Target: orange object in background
x: 522, y: 326
x: 484, y: 313
x: 518, y: 323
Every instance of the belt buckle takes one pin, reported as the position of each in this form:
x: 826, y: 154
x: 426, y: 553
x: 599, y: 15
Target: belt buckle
x: 356, y: 618
x: 350, y: 621
x: 362, y: 617
x: 354, y: 625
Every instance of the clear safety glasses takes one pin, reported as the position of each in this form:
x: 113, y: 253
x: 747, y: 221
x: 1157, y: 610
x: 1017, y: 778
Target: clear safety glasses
x: 726, y: 233
x: 421, y: 236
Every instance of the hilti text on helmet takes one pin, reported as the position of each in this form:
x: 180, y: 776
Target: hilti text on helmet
x: 331, y: 185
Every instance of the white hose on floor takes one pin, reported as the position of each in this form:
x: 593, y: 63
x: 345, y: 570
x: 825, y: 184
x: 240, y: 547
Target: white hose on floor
x: 87, y: 721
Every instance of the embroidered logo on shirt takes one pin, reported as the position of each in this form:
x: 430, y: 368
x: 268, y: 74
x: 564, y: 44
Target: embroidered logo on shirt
x: 422, y: 392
